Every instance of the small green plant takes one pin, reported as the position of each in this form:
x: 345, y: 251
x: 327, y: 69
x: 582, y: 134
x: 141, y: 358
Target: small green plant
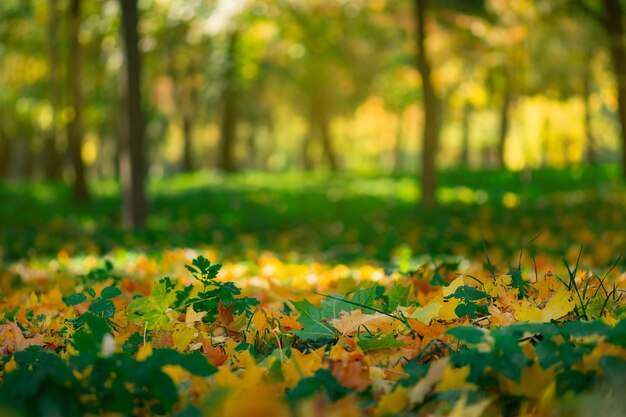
x: 216, y: 292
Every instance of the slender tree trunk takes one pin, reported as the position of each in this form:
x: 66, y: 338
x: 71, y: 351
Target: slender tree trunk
x: 327, y: 144
x: 28, y: 156
x: 131, y: 151
x: 5, y: 153
x: 52, y: 161
x: 270, y: 145
x: 230, y: 109
x: 308, y: 163
x: 465, y: 134
x: 185, y: 94
x: 614, y: 26
x: 398, y: 151
x: 590, y: 141
x: 76, y: 125
x: 430, y: 139
x: 252, y: 147
x: 188, y: 164
x: 504, y: 126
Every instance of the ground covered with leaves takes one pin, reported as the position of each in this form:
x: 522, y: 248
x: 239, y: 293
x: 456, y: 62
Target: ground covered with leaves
x: 469, y: 330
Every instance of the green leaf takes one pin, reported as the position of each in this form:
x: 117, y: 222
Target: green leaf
x: 152, y: 309
x: 469, y: 334
x: 467, y: 292
x: 89, y: 338
x: 103, y: 307
x: 110, y: 292
x: 614, y: 368
x: 331, y: 307
x: 74, y: 299
x: 194, y: 362
x: 398, y: 296
x: 517, y: 282
x: 365, y: 296
x: 311, y: 319
x: 387, y: 341
x: 323, y: 379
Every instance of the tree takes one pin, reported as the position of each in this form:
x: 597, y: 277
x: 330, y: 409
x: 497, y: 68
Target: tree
x: 430, y: 133
x: 76, y: 125
x: 52, y: 158
x: 229, y: 106
x: 131, y: 150
x: 614, y: 26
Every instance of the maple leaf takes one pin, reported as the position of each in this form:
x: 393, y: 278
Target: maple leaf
x: 313, y: 326
x: 392, y: 403
x: 349, y: 324
x: 462, y: 409
x: 560, y: 304
x: 152, y: 309
x: 427, y: 313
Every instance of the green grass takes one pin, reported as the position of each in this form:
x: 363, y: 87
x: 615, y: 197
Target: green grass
x: 342, y: 218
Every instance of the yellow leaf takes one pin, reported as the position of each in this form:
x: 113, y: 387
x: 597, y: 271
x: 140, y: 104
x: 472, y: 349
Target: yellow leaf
x: 450, y: 289
x: 10, y: 365
x: 144, y: 352
x: 461, y: 409
x: 192, y: 317
x: 526, y: 312
x: 301, y: 365
x: 561, y: 303
x: 427, y: 313
x: 183, y: 337
x: 426, y: 384
x: 454, y: 379
x: 392, y: 403
x: 533, y: 382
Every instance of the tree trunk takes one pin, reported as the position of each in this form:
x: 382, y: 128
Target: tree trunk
x: 131, y: 150
x: 52, y: 161
x: 504, y: 125
x: 188, y: 164
x: 76, y: 125
x: 307, y: 142
x: 252, y: 147
x: 185, y: 95
x: 230, y: 109
x: 430, y: 139
x: 5, y: 154
x: 465, y: 135
x: 327, y: 144
x: 590, y: 141
x: 398, y: 151
x: 615, y: 29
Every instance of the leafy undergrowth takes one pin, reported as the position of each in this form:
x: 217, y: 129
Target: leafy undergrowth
x: 314, y: 340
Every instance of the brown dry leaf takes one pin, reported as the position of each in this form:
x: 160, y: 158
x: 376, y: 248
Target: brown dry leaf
x: 351, y: 368
x: 13, y: 339
x: 350, y: 323
x: 426, y: 384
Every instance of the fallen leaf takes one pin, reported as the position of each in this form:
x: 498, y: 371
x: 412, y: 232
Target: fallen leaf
x: 349, y: 324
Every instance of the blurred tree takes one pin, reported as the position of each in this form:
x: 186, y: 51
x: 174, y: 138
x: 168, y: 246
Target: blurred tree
x: 53, y: 161
x: 430, y: 133
x: 609, y: 15
x: 76, y: 130
x: 613, y: 20
x: 229, y: 105
x: 131, y: 149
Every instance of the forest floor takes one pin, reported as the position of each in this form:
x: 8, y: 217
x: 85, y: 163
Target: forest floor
x: 337, y: 295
